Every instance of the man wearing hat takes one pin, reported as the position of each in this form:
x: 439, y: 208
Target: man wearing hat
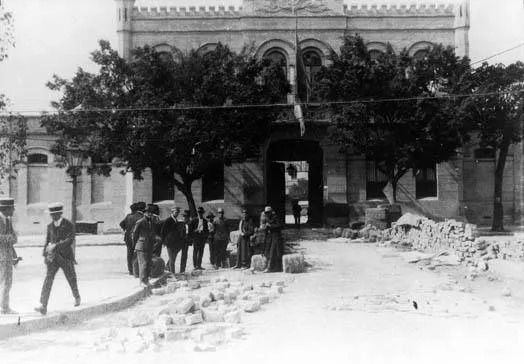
x: 221, y: 238
x: 58, y: 254
x: 199, y: 231
x: 144, y: 238
x: 157, y: 247
x: 128, y: 224
x: 8, y: 256
x: 174, y: 237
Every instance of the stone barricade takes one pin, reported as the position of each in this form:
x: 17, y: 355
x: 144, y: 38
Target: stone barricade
x: 420, y: 233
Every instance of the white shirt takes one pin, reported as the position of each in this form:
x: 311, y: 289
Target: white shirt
x: 200, y: 227
x: 58, y: 222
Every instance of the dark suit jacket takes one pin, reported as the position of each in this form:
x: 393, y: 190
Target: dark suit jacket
x: 128, y: 224
x: 144, y: 235
x: 248, y: 227
x: 193, y: 225
x: 173, y: 233
x: 63, y: 237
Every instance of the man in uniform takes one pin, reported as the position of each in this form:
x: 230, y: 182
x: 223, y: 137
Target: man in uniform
x: 144, y: 239
x: 8, y: 256
x: 58, y: 254
x: 137, y: 212
x: 199, y: 232
x: 221, y: 239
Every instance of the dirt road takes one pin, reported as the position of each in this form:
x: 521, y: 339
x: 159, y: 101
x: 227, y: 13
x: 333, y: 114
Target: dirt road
x: 357, y: 305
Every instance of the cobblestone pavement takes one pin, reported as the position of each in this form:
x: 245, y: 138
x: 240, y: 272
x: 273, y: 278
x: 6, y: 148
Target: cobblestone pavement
x: 358, y: 304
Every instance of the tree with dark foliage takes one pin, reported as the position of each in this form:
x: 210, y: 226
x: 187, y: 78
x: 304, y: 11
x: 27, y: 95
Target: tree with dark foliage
x: 495, y: 114
x: 174, y: 115
x: 393, y: 108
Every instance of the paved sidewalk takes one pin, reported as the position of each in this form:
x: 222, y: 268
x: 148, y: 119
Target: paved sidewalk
x: 103, y: 282
x: 81, y: 240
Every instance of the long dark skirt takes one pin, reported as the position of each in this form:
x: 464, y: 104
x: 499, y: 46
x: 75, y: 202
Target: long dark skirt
x: 274, y: 251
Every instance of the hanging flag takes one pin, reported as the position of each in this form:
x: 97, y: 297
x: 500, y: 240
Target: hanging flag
x: 302, y: 86
x: 300, y: 118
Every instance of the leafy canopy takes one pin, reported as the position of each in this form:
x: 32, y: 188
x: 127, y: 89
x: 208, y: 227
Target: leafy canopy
x: 165, y: 114
x: 390, y: 108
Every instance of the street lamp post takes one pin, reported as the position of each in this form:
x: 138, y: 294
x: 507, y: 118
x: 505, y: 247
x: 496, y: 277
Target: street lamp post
x: 74, y: 163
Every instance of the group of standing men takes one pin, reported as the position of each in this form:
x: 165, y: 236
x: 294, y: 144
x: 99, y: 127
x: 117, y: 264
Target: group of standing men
x: 145, y: 234
x: 58, y: 254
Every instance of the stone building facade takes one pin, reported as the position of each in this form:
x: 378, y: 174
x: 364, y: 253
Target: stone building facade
x: 339, y: 185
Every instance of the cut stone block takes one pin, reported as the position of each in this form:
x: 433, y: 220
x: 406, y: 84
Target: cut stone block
x: 263, y: 299
x: 216, y: 295
x: 185, y: 305
x: 140, y: 319
x: 277, y: 289
x: 158, y: 291
x: 210, y: 315
x: 194, y: 318
x: 205, y: 301
x: 194, y: 284
x: 233, y: 317
x: 222, y: 286
x: 294, y: 263
x: 172, y: 287
x: 235, y: 333
x: 175, y: 334
x: 250, y: 306
x: 258, y: 262
x: 178, y: 319
x: 233, y: 292
x: 247, y: 288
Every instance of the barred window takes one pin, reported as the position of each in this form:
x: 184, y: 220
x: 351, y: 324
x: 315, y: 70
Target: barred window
x: 375, y: 181
x: 426, y: 182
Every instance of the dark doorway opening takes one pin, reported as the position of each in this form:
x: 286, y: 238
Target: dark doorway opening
x: 280, y: 155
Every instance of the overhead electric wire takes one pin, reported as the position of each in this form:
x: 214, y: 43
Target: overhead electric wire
x: 250, y: 106
x: 497, y: 54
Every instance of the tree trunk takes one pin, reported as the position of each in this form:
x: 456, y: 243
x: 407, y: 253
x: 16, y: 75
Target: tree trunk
x: 394, y: 185
x: 186, y: 190
x: 498, y: 210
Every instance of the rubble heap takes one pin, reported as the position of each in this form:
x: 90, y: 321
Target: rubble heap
x: 420, y: 233
x: 206, y: 315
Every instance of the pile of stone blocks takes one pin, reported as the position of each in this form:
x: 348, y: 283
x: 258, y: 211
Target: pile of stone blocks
x: 206, y: 313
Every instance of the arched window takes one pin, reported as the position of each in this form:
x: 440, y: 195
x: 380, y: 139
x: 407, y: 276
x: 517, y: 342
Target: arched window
x: 312, y: 62
x: 165, y: 56
x: 375, y: 54
x: 37, y: 158
x: 278, y: 57
x: 420, y: 55
x: 37, y: 170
